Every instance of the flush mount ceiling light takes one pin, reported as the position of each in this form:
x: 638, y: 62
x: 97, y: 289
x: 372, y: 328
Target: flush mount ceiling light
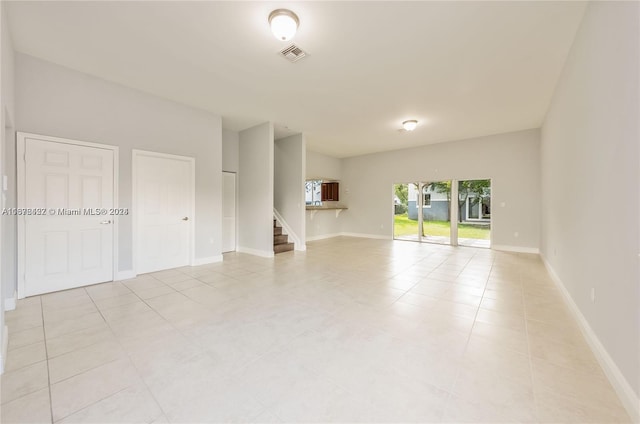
x: 410, y: 125
x: 284, y: 24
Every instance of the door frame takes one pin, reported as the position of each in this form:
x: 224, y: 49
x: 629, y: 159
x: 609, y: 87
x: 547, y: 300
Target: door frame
x: 135, y: 154
x: 490, y: 220
x: 454, y: 210
x: 21, y: 140
x: 235, y: 181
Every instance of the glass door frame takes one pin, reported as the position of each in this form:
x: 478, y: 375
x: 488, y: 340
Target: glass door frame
x: 454, y: 213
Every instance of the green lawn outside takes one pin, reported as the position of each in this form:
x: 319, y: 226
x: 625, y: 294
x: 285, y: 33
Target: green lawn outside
x: 405, y: 227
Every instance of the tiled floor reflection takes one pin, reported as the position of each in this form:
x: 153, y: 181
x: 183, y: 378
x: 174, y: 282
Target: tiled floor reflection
x: 353, y: 330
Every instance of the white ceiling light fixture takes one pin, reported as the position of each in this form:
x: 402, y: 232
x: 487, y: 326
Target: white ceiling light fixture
x: 410, y: 125
x: 284, y: 24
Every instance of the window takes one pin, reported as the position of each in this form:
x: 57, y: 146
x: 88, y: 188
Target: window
x: 479, y: 208
x: 318, y: 191
x: 313, y: 192
x: 426, y: 196
x: 426, y: 200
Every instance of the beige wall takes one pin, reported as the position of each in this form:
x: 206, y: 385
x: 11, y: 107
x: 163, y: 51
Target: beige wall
x: 255, y: 190
x: 230, y: 152
x: 590, y: 180
x: 7, y: 167
x: 57, y: 101
x: 511, y: 161
x: 323, y: 224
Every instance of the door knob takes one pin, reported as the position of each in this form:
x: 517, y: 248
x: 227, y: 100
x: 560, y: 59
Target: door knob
x: 106, y: 222
x: 186, y: 218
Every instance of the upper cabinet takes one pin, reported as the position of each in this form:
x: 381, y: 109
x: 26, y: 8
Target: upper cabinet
x: 330, y: 191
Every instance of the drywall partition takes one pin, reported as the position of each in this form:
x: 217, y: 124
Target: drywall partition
x: 323, y: 166
x: 289, y: 177
x: 323, y: 224
x: 589, y: 156
x: 57, y: 101
x: 7, y: 168
x: 230, y: 160
x: 255, y: 190
x: 511, y: 161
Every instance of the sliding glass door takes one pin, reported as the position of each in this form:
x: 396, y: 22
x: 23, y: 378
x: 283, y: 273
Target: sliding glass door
x: 436, y: 212
x: 474, y: 213
x: 405, y: 216
x: 424, y: 211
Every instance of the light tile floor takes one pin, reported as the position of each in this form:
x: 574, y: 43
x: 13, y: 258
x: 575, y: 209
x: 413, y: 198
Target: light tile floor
x: 469, y: 242
x: 353, y: 330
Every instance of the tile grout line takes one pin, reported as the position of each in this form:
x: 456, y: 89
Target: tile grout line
x: 46, y: 355
x: 128, y: 356
x: 455, y: 380
x: 529, y: 353
x: 109, y: 362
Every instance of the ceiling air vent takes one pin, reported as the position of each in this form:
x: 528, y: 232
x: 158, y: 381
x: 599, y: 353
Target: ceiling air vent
x: 293, y: 53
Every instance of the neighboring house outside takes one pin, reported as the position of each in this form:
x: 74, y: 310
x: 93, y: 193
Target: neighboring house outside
x: 436, y: 206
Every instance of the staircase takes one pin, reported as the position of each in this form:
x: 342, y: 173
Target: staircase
x: 280, y: 241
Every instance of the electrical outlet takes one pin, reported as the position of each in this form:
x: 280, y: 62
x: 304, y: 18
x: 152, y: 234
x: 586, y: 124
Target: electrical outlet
x: 593, y: 295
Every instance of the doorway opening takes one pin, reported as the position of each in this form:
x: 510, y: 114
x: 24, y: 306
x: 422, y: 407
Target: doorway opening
x: 424, y: 212
x: 474, y: 213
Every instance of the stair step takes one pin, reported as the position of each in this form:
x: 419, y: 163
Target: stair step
x: 280, y: 239
x: 277, y: 231
x: 284, y: 247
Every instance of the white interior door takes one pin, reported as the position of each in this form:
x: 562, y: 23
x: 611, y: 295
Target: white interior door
x: 164, y: 196
x: 228, y: 211
x: 68, y: 241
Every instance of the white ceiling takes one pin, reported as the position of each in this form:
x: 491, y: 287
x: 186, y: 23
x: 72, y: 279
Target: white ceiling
x: 463, y: 69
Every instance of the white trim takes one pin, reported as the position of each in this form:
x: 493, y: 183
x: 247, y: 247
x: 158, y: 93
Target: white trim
x: 323, y: 237
x: 10, y: 302
x: 256, y: 252
x: 517, y: 249
x: 298, y: 245
x: 628, y: 397
x: 370, y: 236
x: 420, y: 210
x: 5, y: 348
x: 206, y: 261
x: 125, y: 275
x: 454, y: 212
x: 21, y: 138
x: 135, y: 153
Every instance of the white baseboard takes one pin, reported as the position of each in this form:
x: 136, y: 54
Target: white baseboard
x: 5, y: 347
x: 516, y: 249
x: 206, y: 261
x: 627, y: 396
x: 125, y: 275
x: 10, y: 302
x: 256, y: 252
x: 301, y: 247
x: 360, y: 235
x: 369, y: 236
x: 323, y: 237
